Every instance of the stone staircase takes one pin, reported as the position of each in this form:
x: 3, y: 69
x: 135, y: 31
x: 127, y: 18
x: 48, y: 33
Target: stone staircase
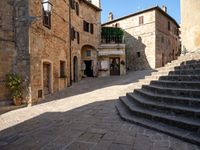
x: 168, y: 101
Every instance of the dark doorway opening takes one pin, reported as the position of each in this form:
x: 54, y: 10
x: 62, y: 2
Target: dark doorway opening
x: 88, y: 68
x: 114, y: 66
x: 75, y: 64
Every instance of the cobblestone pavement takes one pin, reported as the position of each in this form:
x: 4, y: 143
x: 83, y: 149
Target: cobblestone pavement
x: 83, y: 117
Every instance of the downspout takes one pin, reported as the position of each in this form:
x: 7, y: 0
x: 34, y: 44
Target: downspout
x: 70, y: 43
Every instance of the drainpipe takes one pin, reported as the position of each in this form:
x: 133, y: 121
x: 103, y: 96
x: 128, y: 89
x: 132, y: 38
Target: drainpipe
x: 70, y: 43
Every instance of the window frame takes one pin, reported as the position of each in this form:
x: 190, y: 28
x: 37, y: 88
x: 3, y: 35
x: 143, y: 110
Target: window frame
x: 141, y: 20
x: 46, y: 19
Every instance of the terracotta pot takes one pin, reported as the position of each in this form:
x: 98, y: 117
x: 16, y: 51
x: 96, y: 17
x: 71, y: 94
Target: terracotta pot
x: 17, y: 101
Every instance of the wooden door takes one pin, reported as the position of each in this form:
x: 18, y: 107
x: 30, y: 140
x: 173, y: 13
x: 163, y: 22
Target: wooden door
x: 46, y: 78
x: 114, y: 66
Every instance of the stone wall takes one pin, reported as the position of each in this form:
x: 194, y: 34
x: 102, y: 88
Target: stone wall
x: 108, y: 51
x: 190, y: 29
x: 14, y: 44
x: 167, y: 41
x: 53, y: 45
x: 139, y: 40
x: 144, y: 47
x: 87, y: 40
x: 49, y: 46
x: 7, y: 44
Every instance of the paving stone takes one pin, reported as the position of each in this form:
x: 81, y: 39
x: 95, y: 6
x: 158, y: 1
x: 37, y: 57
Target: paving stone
x: 117, y: 146
x: 91, y: 137
x: 142, y: 142
x: 102, y: 145
x: 78, y: 145
x: 66, y: 123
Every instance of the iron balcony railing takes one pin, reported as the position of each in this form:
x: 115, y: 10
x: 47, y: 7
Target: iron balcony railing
x: 112, y: 35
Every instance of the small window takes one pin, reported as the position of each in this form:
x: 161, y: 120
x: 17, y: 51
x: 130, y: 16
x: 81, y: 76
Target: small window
x: 47, y: 19
x: 40, y: 94
x: 77, y: 9
x: 62, y: 69
x: 86, y: 26
x: 117, y: 25
x: 138, y: 54
x: 73, y: 34
x: 72, y: 4
x: 141, y: 20
x: 169, y: 26
x: 91, y: 28
x: 78, y: 37
x: 88, y: 53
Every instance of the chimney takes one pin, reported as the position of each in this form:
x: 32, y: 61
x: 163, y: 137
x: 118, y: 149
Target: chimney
x: 164, y: 8
x: 110, y: 17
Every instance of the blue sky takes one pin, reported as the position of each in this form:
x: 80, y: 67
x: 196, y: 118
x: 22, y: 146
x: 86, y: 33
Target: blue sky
x: 122, y: 8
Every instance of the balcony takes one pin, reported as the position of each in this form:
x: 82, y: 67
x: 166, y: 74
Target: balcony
x: 112, y: 35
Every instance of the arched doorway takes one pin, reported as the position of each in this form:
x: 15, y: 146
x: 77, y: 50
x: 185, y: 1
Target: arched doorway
x: 75, y: 69
x: 89, y: 61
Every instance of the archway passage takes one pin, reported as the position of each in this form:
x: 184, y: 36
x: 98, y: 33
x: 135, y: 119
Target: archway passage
x: 89, y: 61
x: 88, y: 68
x: 75, y: 69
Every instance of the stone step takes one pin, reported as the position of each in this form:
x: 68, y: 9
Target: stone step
x: 179, y: 110
x: 6, y: 103
x: 177, y: 72
x: 195, y: 93
x: 177, y: 77
x: 178, y: 63
x: 185, y: 135
x: 4, y: 109
x: 176, y: 84
x: 169, y: 99
x: 189, y: 124
x: 193, y: 66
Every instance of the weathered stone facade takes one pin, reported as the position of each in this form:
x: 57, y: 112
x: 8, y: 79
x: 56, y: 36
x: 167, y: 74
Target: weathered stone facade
x: 109, y: 53
x: 190, y: 29
x: 149, y: 43
x: 44, y: 56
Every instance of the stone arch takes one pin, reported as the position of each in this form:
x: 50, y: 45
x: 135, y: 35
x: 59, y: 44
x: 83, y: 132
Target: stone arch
x: 89, y: 61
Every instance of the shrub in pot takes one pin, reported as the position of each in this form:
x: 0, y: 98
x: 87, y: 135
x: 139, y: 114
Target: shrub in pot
x: 14, y: 82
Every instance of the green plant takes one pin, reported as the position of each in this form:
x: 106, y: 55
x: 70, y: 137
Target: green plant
x: 14, y: 83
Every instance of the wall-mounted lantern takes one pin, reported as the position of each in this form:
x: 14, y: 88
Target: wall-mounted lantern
x: 47, y: 6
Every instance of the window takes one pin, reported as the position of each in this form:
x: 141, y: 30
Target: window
x: 47, y: 19
x: 141, y: 20
x: 86, y: 26
x: 138, y: 54
x: 77, y: 9
x: 117, y: 25
x: 169, y: 26
x: 78, y: 37
x: 88, y: 53
x: 62, y: 69
x: 91, y: 28
x: 40, y: 94
x: 73, y: 34
x: 72, y: 4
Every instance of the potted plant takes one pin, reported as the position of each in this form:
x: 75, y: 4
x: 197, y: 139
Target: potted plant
x: 14, y: 82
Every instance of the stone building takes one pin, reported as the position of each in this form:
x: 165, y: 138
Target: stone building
x: 47, y: 48
x: 151, y: 38
x: 190, y: 29
x: 111, y: 56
